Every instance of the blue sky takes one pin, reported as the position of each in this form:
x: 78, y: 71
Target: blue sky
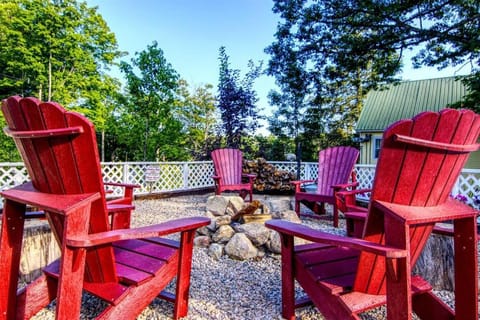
x: 190, y: 32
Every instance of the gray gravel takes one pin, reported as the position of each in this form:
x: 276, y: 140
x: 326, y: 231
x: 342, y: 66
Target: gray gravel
x: 224, y: 289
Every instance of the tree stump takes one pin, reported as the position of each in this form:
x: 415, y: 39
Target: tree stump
x: 436, y: 264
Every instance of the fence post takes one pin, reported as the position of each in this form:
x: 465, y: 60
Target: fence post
x: 186, y: 173
x: 125, y: 173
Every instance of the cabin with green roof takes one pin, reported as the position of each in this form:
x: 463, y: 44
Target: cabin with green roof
x: 404, y: 100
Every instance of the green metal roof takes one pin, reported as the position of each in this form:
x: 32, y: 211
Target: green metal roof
x: 406, y: 99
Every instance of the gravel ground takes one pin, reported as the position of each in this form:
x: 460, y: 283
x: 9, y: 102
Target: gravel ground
x: 224, y: 289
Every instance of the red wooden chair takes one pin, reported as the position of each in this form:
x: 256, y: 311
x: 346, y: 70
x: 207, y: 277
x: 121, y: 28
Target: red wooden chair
x: 354, y: 213
x: 120, y: 209
x: 229, y: 173
x: 335, y: 169
x: 419, y: 163
x: 127, y: 268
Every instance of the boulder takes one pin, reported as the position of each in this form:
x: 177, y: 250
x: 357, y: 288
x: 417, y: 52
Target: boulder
x: 223, y: 234
x: 256, y: 232
x: 240, y: 247
x: 215, y: 251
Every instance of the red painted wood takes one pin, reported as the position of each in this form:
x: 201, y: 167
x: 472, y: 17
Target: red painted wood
x: 127, y: 268
x: 229, y: 173
x: 10, y: 248
x: 335, y: 168
x: 120, y: 209
x: 419, y: 162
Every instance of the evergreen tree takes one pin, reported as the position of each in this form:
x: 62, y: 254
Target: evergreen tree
x: 237, y: 101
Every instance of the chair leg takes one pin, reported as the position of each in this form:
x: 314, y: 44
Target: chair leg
x: 10, y: 249
x: 288, y: 284
x: 399, y: 298
x: 183, y: 277
x: 335, y: 215
x: 466, y: 268
x: 72, y: 266
x: 297, y: 207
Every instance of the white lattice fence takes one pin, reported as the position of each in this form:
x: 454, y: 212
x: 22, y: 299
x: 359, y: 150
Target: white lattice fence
x: 172, y: 176
x: 468, y: 185
x: 184, y: 176
x: 12, y: 174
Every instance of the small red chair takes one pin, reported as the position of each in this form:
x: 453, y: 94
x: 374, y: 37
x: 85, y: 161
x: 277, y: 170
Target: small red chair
x: 229, y: 173
x: 335, y: 173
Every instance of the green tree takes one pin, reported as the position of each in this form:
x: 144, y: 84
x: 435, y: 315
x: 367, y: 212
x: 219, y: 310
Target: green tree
x: 237, y: 101
x: 57, y: 50
x: 443, y: 33
x: 322, y: 77
x: 199, y: 118
x: 149, y: 124
x: 54, y: 50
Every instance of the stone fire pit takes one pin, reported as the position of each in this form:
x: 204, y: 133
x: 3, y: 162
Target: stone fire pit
x: 231, y: 232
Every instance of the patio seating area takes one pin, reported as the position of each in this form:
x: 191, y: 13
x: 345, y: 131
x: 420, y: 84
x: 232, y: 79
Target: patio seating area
x: 127, y: 261
x: 224, y: 288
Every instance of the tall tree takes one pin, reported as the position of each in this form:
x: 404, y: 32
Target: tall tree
x: 54, y: 50
x: 150, y: 125
x: 237, y: 100
x: 58, y: 50
x: 323, y: 78
x: 199, y: 118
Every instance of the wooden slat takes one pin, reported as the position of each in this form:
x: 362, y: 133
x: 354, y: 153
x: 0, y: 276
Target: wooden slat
x: 147, y: 248
x: 138, y: 261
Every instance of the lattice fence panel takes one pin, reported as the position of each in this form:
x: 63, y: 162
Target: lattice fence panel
x: 12, y: 174
x: 113, y: 172
x: 175, y: 176
x: 468, y: 185
x: 365, y: 175
x: 200, y: 174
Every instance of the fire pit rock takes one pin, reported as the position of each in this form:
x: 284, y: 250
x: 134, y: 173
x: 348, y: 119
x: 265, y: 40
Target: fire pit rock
x: 230, y: 232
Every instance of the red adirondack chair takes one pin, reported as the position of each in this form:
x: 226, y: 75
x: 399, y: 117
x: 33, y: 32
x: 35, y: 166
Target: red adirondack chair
x: 335, y: 169
x: 354, y: 213
x: 419, y: 162
x: 229, y: 173
x: 120, y: 209
x: 127, y: 268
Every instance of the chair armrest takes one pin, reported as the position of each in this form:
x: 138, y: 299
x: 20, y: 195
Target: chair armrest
x: 346, y: 200
x: 115, y: 207
x: 251, y: 177
x: 172, y: 226
x: 353, y: 192
x: 295, y: 182
x: 61, y: 204
x: 127, y: 192
x: 304, y: 232
x: 298, y: 183
x: 345, y: 185
x: 125, y: 185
